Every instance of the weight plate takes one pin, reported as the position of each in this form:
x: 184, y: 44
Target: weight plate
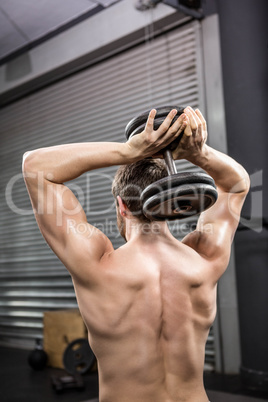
x: 179, y: 203
x: 78, y: 357
x: 179, y: 195
x: 175, y: 181
x: 137, y: 125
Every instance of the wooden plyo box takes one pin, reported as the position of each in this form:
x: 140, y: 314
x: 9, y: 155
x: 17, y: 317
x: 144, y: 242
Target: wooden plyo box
x: 60, y: 328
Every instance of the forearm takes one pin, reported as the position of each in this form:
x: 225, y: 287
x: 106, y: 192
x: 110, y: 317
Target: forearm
x: 66, y: 162
x: 228, y: 175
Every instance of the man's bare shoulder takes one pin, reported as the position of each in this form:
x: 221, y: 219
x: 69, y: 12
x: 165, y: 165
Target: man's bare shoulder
x: 145, y: 259
x: 195, y: 239
x: 213, y: 250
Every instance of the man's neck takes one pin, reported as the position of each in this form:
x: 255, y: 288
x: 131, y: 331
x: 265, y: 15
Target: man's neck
x: 145, y: 231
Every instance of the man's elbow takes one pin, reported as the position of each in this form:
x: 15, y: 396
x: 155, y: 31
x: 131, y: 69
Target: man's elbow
x: 29, y: 163
x: 246, y: 182
x: 242, y: 185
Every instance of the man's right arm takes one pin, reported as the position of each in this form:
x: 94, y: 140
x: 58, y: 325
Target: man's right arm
x: 60, y: 216
x: 228, y: 175
x: 217, y: 225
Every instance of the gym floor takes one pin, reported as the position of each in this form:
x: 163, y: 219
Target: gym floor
x: 19, y: 383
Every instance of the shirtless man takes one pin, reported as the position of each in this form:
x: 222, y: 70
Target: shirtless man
x: 148, y: 305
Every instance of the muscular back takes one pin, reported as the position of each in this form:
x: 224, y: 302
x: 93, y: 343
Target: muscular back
x: 148, y: 317
x: 149, y: 305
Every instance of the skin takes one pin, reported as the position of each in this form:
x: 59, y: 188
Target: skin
x: 148, y: 305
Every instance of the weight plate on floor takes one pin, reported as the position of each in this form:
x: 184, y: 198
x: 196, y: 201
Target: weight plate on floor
x: 78, y: 357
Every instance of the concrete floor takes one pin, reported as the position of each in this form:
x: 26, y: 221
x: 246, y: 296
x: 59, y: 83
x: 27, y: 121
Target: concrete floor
x: 19, y: 383
x: 216, y: 396
x: 219, y: 397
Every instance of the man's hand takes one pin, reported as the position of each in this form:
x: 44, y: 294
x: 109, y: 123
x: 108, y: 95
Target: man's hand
x: 194, y: 138
x: 151, y: 142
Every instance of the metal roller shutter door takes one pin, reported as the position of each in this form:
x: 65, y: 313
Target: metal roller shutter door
x: 92, y: 105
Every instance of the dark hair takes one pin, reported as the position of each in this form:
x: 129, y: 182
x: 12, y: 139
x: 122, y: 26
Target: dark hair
x: 131, y: 180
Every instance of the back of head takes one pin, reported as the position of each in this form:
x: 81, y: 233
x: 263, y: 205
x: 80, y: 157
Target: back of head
x: 131, y: 180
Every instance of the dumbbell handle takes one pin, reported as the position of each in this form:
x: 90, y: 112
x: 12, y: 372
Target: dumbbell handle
x: 171, y: 167
x: 167, y: 153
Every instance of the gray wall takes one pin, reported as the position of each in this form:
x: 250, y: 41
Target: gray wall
x: 244, y: 48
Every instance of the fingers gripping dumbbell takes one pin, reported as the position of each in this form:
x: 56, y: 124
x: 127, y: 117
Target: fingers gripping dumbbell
x: 179, y: 195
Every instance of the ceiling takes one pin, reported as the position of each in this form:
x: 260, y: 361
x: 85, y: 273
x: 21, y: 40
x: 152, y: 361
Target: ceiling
x: 26, y: 23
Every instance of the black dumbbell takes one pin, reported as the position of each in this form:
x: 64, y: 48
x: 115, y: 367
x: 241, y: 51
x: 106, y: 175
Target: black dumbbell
x: 179, y: 195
